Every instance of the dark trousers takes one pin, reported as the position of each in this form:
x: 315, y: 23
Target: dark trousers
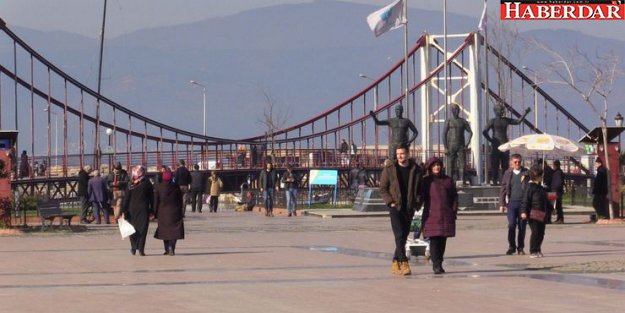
x: 514, y: 221
x: 437, y: 251
x: 538, y: 234
x: 137, y: 240
x: 400, y: 223
x: 169, y: 245
x: 186, y: 197
x: 497, y: 159
x: 214, y: 203
x: 600, y: 204
x: 558, y: 207
x: 196, y: 200
x: 85, y: 204
x: 100, y: 206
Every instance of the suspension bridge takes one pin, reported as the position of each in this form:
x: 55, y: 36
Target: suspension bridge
x: 98, y: 131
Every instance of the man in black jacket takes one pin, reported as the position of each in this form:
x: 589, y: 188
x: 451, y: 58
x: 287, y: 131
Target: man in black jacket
x: 600, y: 190
x: 197, y: 188
x: 557, y: 186
x: 83, y: 195
x: 182, y: 177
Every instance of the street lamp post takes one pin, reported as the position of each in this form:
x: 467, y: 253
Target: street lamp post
x: 618, y: 120
x: 535, y: 94
x: 375, y: 91
x: 203, y: 102
x: 56, y: 136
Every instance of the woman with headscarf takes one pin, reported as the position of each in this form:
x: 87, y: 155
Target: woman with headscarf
x: 440, y: 207
x: 137, y: 208
x: 168, y: 210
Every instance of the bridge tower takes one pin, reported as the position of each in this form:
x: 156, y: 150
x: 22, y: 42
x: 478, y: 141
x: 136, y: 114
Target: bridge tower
x: 464, y: 87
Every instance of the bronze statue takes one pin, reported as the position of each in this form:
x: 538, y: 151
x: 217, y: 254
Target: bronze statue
x: 453, y: 139
x: 499, y: 125
x: 399, y: 130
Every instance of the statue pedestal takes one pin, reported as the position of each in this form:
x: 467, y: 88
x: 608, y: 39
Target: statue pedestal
x: 369, y: 200
x: 469, y: 198
x: 478, y: 198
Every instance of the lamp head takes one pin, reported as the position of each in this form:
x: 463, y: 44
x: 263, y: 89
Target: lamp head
x: 618, y: 119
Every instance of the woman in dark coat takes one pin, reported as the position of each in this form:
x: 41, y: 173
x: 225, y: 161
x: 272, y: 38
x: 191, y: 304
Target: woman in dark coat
x: 168, y: 210
x: 535, y: 198
x: 137, y: 208
x: 440, y: 209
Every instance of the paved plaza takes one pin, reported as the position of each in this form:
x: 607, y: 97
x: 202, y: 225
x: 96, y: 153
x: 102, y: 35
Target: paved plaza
x: 245, y: 262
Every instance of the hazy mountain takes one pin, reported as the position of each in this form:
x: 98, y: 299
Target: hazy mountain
x: 307, y: 56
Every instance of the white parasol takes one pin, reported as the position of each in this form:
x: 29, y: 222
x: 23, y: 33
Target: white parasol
x: 542, y: 143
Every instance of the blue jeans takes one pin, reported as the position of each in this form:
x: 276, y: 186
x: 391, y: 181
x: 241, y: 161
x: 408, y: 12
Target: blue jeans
x: 268, y: 195
x: 291, y: 199
x: 514, y: 220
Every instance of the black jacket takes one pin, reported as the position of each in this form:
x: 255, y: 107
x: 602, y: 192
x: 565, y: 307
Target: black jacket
x: 198, y: 181
x: 83, y: 182
x: 182, y: 176
x: 557, y: 181
x: 600, y: 186
x: 534, y: 198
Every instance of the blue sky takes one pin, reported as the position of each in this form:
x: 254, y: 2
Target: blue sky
x: 124, y: 16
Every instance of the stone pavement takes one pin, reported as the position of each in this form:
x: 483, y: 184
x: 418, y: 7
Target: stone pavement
x: 245, y: 262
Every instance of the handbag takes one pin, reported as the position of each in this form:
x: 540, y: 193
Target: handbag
x: 537, y: 215
x: 126, y: 229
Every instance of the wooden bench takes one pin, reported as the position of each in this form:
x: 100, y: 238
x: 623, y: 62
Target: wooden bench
x: 50, y: 210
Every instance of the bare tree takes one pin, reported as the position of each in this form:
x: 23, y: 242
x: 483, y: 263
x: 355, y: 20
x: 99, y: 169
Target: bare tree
x: 593, y: 79
x: 273, y: 119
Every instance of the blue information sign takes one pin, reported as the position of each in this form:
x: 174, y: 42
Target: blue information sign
x: 323, y: 177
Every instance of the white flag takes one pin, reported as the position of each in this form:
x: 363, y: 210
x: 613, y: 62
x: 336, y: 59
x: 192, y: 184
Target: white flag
x: 482, y: 25
x: 387, y: 18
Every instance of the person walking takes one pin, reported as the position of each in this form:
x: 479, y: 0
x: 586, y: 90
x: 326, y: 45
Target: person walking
x: 268, y: 183
x: 197, y: 189
x: 290, y: 181
x: 168, y: 212
x: 600, y: 190
x: 137, y: 208
x: 182, y: 177
x: 440, y: 209
x: 214, y: 190
x: 557, y: 186
x: 24, y: 165
x: 83, y: 193
x: 534, y: 208
x: 513, y: 184
x: 99, y: 197
x: 399, y: 185
x: 546, y: 183
x: 117, y: 182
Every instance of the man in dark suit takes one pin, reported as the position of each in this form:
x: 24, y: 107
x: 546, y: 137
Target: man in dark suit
x: 99, y: 196
x: 557, y: 186
x: 83, y: 194
x: 600, y: 190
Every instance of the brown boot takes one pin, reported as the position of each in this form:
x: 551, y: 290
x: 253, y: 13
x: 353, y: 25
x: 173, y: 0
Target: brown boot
x: 395, y: 268
x: 404, y: 268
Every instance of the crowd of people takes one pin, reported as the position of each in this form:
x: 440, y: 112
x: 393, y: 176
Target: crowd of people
x: 526, y: 196
x: 138, y: 200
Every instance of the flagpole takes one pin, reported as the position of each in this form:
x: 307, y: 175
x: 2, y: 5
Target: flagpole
x: 445, y: 56
x: 486, y: 93
x: 406, y: 52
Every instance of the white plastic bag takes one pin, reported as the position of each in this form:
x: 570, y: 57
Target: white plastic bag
x: 126, y: 229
